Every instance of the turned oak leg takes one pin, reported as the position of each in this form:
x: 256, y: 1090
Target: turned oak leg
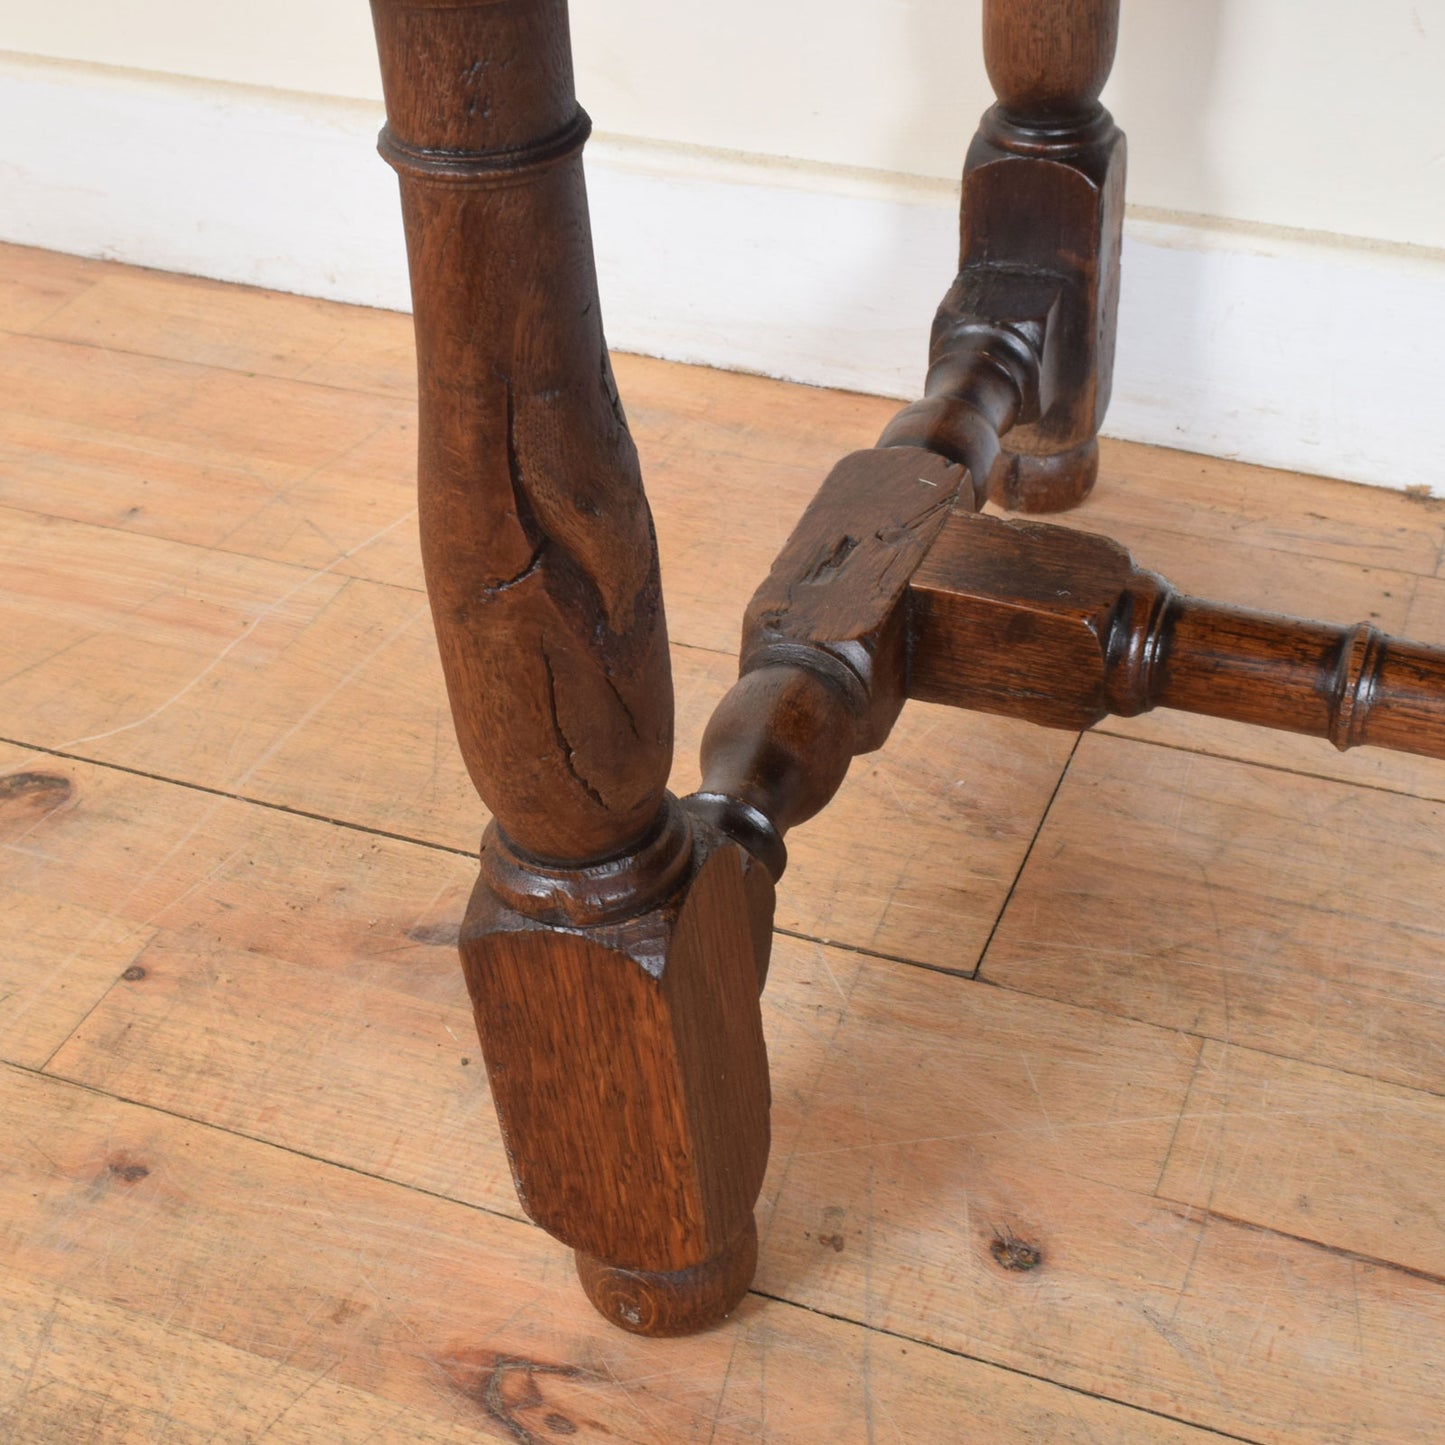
x: 612, y: 945
x: 1043, y: 186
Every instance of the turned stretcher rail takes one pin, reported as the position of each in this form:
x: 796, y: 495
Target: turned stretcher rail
x: 1354, y: 685
x: 1060, y: 627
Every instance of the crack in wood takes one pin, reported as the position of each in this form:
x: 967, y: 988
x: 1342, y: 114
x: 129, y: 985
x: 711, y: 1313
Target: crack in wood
x: 831, y: 562
x: 622, y: 703
x: 567, y: 582
x: 569, y: 753
x: 534, y: 562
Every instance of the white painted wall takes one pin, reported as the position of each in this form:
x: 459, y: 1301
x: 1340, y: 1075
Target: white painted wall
x: 774, y: 180
x: 1324, y: 115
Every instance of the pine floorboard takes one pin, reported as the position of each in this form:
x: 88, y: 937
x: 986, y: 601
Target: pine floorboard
x: 1158, y: 1013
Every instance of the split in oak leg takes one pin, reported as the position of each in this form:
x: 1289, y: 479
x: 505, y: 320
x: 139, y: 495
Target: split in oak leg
x: 614, y: 942
x: 1043, y: 186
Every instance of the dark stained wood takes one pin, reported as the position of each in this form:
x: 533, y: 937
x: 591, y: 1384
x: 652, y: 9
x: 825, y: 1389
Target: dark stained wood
x: 612, y: 944
x: 824, y: 665
x: 650, y: 1303
x: 644, y: 1167
x: 1043, y: 187
x: 1048, y: 59
x: 993, y: 361
x: 1022, y: 339
x: 1059, y: 627
x: 1015, y: 618
x: 536, y: 536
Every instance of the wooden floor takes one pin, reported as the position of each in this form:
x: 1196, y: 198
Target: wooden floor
x: 1156, y: 1016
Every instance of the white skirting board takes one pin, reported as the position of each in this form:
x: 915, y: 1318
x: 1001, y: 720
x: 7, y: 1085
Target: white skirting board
x: 1314, y: 353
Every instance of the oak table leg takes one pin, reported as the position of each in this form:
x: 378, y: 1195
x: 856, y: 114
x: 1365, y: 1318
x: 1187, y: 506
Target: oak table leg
x: 612, y: 943
x: 1043, y: 186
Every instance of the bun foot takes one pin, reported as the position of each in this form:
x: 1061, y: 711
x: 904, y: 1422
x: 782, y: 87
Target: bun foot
x: 682, y: 1302
x: 1054, y: 482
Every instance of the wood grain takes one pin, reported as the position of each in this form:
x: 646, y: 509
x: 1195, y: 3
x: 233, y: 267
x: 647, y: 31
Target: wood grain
x: 1002, y: 1123
x: 243, y: 328
x: 1049, y: 60
x: 96, y: 1371
x: 60, y: 953
x: 250, y: 677
x: 1063, y: 628
x: 284, y: 999
x: 959, y: 1170
x: 149, y: 1289
x: 169, y: 449
x: 318, y: 959
x: 350, y: 503
x: 1298, y: 564
x: 1353, y: 1163
x: 1296, y: 909
x: 1238, y: 509
x: 35, y: 284
x: 1043, y: 190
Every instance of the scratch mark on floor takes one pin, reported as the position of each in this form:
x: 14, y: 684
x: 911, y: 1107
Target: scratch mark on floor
x: 264, y: 615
